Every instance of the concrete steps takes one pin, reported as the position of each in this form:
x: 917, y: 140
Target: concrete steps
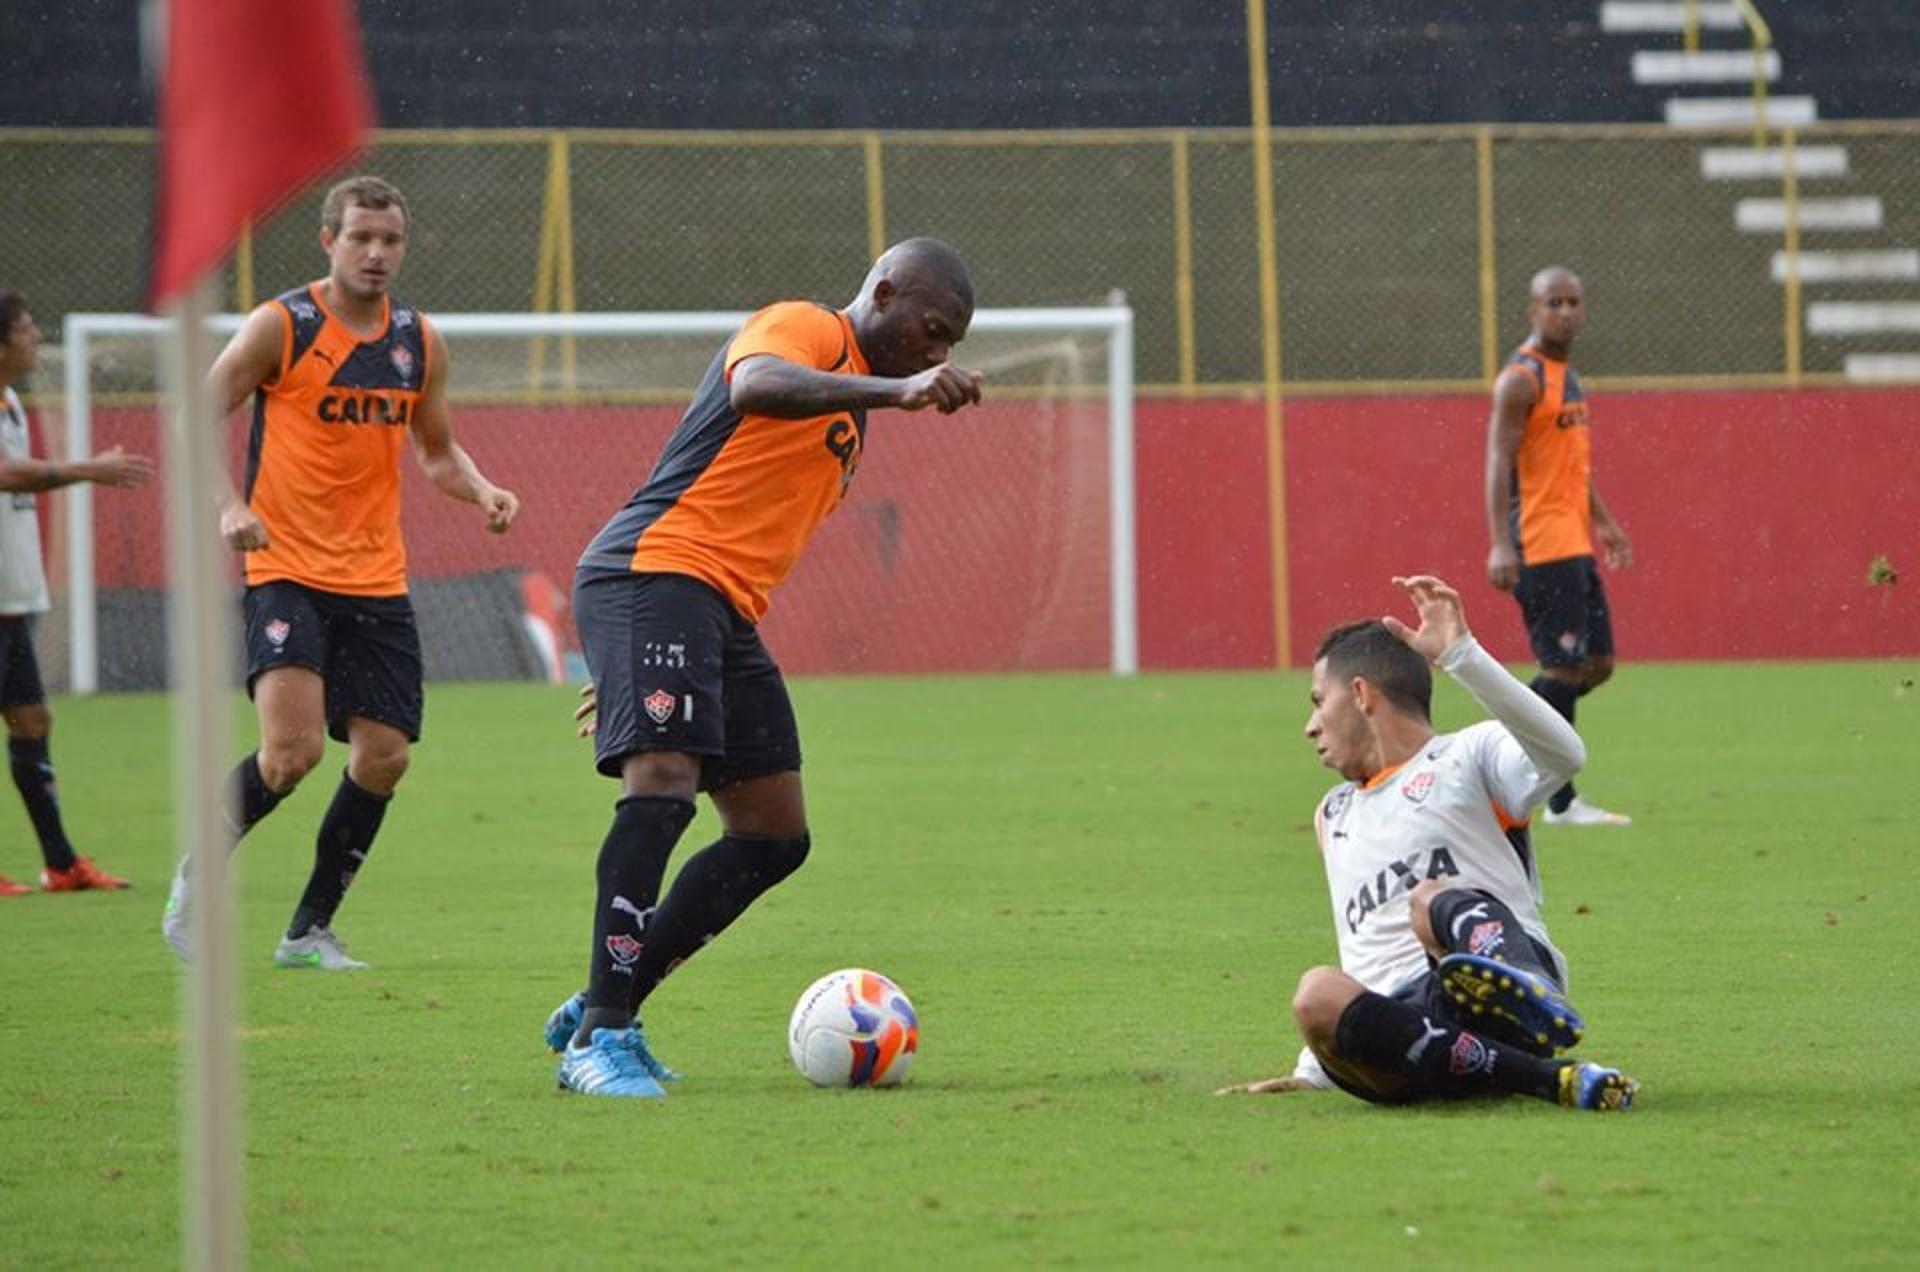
x: 1756, y: 163
x: 1714, y: 66
x: 1625, y: 17
x: 1823, y: 203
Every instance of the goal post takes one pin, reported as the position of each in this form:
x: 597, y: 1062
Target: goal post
x: 1001, y: 538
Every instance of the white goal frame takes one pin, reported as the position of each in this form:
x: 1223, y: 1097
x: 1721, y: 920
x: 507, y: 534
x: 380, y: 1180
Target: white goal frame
x: 1111, y: 323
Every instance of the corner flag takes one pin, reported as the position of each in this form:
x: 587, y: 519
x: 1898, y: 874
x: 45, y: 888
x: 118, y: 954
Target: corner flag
x: 256, y: 101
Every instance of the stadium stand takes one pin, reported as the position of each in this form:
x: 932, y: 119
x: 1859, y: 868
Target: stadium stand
x: 1120, y: 63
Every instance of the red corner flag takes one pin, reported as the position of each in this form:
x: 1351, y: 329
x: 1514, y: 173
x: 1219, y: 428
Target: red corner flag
x: 257, y: 101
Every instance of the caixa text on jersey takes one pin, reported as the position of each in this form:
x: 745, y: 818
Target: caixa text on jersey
x: 365, y: 408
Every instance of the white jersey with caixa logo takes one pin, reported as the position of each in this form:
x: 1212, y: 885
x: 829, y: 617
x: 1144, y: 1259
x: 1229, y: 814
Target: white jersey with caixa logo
x: 23, y: 576
x: 1456, y: 812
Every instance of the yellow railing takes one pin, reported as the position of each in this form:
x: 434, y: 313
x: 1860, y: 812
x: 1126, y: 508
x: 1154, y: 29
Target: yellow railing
x: 1762, y: 41
x: 1328, y: 261
x: 1762, y: 36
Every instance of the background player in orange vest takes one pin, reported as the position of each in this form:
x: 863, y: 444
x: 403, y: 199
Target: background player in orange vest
x: 23, y: 596
x: 342, y: 376
x: 1544, y: 514
x: 667, y: 598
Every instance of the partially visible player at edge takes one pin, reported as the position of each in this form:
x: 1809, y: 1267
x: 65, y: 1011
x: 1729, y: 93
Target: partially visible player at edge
x: 667, y: 598
x: 1448, y: 985
x: 1544, y: 513
x: 23, y: 596
x: 341, y: 376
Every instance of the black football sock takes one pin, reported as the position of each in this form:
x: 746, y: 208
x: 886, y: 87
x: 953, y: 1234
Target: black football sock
x: 1437, y: 1059
x: 248, y: 798
x: 633, y: 858
x: 713, y: 889
x: 33, y: 775
x: 339, y: 850
x: 1560, y: 695
x: 1469, y: 921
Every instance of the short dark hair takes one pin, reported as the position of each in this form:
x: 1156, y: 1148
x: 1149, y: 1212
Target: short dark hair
x: 12, y: 305
x: 1368, y: 650
x: 361, y: 192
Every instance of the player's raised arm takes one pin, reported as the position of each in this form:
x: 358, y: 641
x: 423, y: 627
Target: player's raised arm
x: 1552, y: 751
x: 444, y: 461
x: 768, y: 385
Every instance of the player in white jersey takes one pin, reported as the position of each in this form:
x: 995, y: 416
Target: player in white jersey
x: 23, y: 596
x: 1448, y: 985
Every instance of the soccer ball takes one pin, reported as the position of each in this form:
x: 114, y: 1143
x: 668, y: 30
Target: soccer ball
x: 853, y: 1028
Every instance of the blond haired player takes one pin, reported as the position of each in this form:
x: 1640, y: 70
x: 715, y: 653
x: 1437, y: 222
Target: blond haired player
x: 342, y: 377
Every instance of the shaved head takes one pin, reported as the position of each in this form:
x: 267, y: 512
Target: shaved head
x: 1557, y: 309
x: 922, y: 264
x: 1548, y: 278
x: 914, y: 306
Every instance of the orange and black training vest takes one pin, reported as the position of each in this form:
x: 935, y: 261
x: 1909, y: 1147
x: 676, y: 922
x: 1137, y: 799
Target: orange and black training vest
x: 323, y: 454
x: 1550, y: 505
x: 734, y: 498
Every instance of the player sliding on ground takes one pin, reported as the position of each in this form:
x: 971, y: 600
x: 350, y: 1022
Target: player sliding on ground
x: 668, y: 598
x: 1448, y: 986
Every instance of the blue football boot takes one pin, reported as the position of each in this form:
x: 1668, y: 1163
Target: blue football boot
x: 608, y: 1065
x: 1528, y: 1001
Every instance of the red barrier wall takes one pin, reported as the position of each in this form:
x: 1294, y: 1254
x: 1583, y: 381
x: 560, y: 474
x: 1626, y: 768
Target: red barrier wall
x: 1754, y: 517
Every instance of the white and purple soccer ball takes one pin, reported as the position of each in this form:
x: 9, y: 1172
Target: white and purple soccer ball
x: 853, y: 1028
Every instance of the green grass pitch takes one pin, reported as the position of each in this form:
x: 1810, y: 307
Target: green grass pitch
x: 1099, y: 894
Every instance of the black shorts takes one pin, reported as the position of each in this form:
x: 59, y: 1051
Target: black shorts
x: 1565, y: 607
x: 366, y: 649
x: 676, y: 668
x: 19, y: 669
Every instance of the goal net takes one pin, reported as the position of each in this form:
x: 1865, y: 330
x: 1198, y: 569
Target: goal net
x: 997, y: 539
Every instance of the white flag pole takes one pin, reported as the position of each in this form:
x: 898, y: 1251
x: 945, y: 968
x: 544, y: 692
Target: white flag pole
x: 200, y: 642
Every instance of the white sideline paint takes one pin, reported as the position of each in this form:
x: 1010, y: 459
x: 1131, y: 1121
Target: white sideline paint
x: 1708, y: 66
x: 1769, y: 216
x: 1751, y: 163
x: 1883, y: 367
x: 1627, y: 17
x: 1862, y: 317
x: 1728, y: 112
x: 1851, y: 267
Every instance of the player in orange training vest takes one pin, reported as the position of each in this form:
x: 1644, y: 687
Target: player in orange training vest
x: 668, y: 597
x: 1544, y: 514
x: 342, y: 377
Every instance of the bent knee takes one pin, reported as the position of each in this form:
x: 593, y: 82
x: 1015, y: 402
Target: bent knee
x: 283, y: 763
x: 380, y: 771
x: 1318, y: 1001
x: 30, y: 721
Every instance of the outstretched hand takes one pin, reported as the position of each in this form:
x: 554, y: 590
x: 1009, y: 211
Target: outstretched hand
x: 1443, y: 619
x: 1268, y: 1086
x: 117, y: 468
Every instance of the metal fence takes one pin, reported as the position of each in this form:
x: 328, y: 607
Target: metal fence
x: 1404, y: 253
